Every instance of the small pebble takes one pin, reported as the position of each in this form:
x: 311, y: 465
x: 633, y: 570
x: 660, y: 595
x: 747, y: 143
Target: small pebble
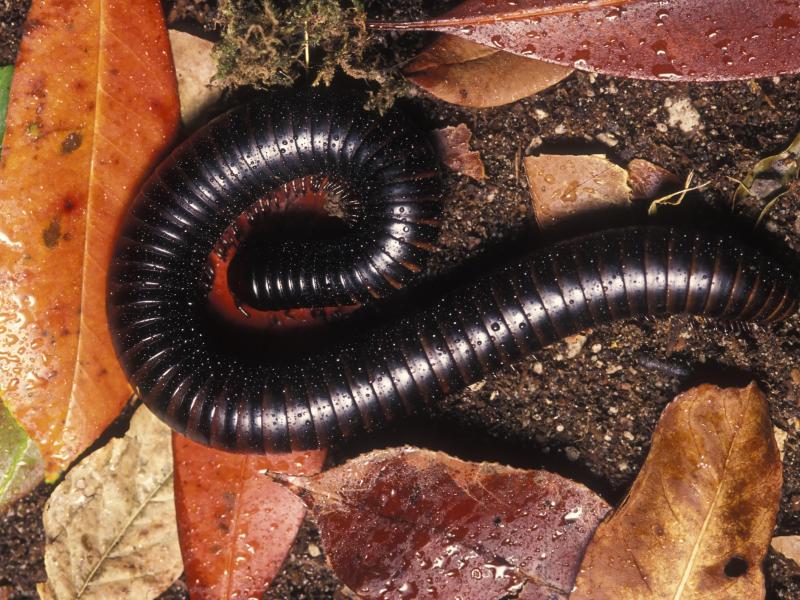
x: 314, y: 551
x: 572, y: 453
x: 628, y: 436
x: 538, y: 368
x: 596, y: 348
x: 559, y: 428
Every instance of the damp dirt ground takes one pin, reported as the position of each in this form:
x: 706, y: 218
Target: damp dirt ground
x: 585, y: 409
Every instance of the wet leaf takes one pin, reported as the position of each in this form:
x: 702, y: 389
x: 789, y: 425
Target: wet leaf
x: 689, y: 40
x: 6, y: 74
x: 93, y: 103
x: 110, y: 525
x: 194, y: 67
x: 452, y: 144
x: 468, y: 74
x: 407, y: 523
x: 236, y: 525
x: 566, y: 188
x: 699, y: 517
x: 788, y: 545
x: 21, y: 466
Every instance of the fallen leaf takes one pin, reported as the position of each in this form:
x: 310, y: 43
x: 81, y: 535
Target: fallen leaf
x: 194, y: 67
x: 682, y: 40
x: 788, y: 545
x: 469, y: 74
x: 236, y: 526
x: 110, y: 525
x: 452, y: 144
x: 406, y: 523
x: 6, y: 73
x: 699, y: 517
x: 93, y: 103
x: 21, y: 466
x: 648, y: 180
x: 568, y: 188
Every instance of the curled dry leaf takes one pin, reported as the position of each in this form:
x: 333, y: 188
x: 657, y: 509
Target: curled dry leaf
x: 648, y: 180
x: 788, y: 545
x: 93, y: 103
x: 236, y: 526
x: 452, y: 144
x: 110, y: 525
x: 468, y: 74
x: 689, y: 40
x: 21, y: 466
x: 568, y: 188
x: 194, y: 67
x: 407, y: 523
x: 699, y: 517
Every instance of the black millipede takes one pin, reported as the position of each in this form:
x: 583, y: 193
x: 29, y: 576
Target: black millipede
x: 190, y: 377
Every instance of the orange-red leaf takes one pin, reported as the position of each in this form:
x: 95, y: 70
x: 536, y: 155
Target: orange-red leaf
x: 409, y: 523
x: 688, y: 40
x: 235, y: 524
x: 93, y: 103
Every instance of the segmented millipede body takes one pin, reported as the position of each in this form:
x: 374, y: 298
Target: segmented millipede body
x: 196, y: 383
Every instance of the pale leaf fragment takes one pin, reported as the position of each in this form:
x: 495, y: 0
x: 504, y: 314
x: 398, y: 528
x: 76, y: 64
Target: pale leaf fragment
x: 698, y: 520
x: 469, y: 74
x: 452, y: 144
x: 194, y: 67
x: 788, y: 545
x: 573, y: 187
x: 110, y: 525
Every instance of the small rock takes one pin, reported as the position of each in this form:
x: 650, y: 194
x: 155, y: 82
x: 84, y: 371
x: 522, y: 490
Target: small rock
x: 613, y: 410
x: 575, y: 344
x: 682, y: 114
x: 596, y: 348
x: 314, y: 551
x: 628, y: 436
x: 538, y: 368
x: 559, y: 428
x: 478, y: 385
x: 572, y: 453
x: 607, y: 139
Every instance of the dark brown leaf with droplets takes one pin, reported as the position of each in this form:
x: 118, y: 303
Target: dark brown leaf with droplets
x: 468, y: 74
x: 409, y: 523
x: 688, y: 40
x: 235, y: 525
x: 452, y: 144
x: 699, y: 517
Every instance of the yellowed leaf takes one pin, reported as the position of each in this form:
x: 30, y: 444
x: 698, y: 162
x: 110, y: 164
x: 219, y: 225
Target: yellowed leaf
x: 566, y: 188
x: 699, y: 517
x: 469, y: 74
x: 110, y: 525
x: 788, y: 545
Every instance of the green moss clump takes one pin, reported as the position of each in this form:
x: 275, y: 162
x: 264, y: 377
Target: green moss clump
x: 265, y: 43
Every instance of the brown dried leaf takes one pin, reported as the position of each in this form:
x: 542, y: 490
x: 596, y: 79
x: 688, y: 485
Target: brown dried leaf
x: 452, y: 144
x: 468, y: 74
x: 688, y: 40
x: 569, y: 188
x: 406, y: 523
x: 110, y: 525
x: 699, y: 517
x: 648, y: 180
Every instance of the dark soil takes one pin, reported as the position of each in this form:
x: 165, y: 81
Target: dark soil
x: 589, y: 413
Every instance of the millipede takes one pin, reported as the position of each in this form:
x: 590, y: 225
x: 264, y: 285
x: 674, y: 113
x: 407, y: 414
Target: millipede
x: 386, y: 177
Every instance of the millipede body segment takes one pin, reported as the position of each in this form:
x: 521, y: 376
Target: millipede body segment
x: 238, y: 401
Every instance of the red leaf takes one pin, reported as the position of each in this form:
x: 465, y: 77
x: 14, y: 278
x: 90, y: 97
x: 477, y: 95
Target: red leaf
x: 689, y: 40
x: 236, y: 525
x: 407, y: 523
